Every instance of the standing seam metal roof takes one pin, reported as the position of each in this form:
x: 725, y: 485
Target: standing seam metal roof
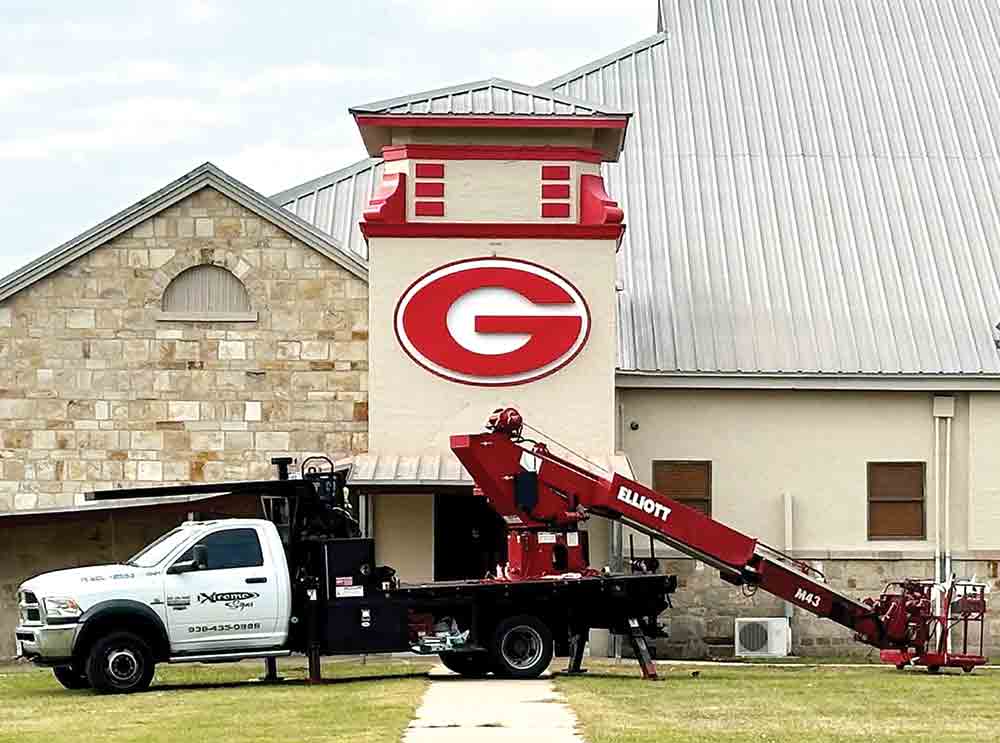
x: 809, y: 188
x: 488, y: 97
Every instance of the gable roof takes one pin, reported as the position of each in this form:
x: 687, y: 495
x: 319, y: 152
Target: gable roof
x: 202, y: 176
x: 495, y: 97
x: 810, y: 189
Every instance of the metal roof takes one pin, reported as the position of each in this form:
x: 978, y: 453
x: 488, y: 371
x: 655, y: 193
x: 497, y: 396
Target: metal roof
x: 111, y: 505
x: 489, y: 97
x: 436, y: 470
x: 202, y: 176
x: 334, y: 203
x: 809, y: 188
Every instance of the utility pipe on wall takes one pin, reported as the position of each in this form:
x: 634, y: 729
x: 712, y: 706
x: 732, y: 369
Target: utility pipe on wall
x: 944, y: 407
x: 789, y: 541
x: 936, y: 505
x: 947, y: 499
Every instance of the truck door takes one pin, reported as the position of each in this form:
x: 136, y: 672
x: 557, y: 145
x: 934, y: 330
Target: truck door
x: 232, y: 604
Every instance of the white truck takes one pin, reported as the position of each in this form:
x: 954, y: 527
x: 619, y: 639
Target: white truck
x: 201, y: 591
x: 302, y: 581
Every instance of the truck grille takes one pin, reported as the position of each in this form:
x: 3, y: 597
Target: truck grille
x: 30, y: 611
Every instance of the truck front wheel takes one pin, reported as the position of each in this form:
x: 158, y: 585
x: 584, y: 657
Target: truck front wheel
x: 470, y: 665
x: 522, y: 647
x: 70, y: 677
x: 120, y: 663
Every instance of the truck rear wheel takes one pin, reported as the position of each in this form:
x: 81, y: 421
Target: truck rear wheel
x: 470, y: 665
x: 522, y: 647
x: 70, y: 678
x: 120, y: 663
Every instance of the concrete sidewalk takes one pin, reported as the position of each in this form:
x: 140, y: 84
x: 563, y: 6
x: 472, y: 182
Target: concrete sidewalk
x: 457, y: 710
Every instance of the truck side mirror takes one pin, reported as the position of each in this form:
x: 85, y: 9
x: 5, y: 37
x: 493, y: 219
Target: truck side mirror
x: 200, y: 557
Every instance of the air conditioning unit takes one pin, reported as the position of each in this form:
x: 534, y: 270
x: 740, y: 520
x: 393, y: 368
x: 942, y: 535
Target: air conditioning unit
x: 763, y: 637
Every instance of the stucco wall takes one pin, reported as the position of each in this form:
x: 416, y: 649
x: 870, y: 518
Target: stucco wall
x: 814, y: 446
x: 404, y: 535
x: 96, y: 393
x: 414, y: 411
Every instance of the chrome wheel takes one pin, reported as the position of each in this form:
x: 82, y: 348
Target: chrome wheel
x: 522, y: 647
x: 124, y: 666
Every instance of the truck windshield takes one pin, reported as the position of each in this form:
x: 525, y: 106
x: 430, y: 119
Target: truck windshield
x: 152, y: 554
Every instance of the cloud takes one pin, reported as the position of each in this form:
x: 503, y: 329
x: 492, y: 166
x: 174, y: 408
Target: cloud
x: 66, y: 32
x: 134, y: 73
x: 272, y: 166
x: 199, y: 11
x: 141, y: 122
x: 280, y: 77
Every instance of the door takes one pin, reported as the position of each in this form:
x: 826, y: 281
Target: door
x: 470, y: 538
x: 232, y: 604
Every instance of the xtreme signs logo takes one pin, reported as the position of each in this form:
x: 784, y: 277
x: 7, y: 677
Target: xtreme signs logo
x: 232, y: 599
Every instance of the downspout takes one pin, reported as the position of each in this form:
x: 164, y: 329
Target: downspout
x: 789, y: 544
x: 937, y: 508
x: 947, y: 498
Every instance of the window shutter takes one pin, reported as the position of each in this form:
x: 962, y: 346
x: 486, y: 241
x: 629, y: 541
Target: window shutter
x: 687, y: 482
x: 896, y: 500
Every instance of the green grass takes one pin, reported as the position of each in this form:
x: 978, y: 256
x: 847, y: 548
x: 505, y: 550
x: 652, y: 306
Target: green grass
x: 218, y: 703
x: 733, y: 704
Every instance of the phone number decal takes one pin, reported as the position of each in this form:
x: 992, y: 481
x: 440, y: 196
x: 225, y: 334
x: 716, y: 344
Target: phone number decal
x: 223, y: 627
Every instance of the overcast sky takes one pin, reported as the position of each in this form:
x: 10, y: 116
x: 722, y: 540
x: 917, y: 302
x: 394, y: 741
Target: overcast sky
x: 102, y: 103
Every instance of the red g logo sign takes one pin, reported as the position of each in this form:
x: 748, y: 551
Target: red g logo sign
x: 492, y: 321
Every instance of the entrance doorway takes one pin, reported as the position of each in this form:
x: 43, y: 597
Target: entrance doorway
x: 469, y: 538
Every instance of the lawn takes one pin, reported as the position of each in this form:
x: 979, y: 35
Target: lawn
x: 217, y: 703
x: 737, y: 704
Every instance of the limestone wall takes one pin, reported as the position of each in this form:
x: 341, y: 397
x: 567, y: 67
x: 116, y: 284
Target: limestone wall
x: 97, y: 393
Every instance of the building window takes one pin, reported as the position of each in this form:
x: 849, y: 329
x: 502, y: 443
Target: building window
x: 689, y: 483
x: 896, y: 500
x: 207, y: 294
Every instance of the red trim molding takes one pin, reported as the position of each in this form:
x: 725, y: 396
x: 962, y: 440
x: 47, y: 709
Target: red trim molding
x: 430, y: 170
x: 555, y: 190
x: 494, y: 122
x: 388, y: 205
x: 491, y: 152
x: 555, y: 172
x: 429, y: 208
x: 499, y: 230
x: 555, y: 209
x: 433, y: 189
x: 596, y: 207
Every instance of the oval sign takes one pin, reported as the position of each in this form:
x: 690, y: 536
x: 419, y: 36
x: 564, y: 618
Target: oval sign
x: 492, y: 321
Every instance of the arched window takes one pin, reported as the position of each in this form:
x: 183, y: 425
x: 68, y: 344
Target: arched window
x: 207, y: 294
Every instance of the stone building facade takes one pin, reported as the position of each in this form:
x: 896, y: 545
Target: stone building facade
x: 99, y: 390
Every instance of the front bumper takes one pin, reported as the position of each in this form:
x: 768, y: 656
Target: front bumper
x: 46, y: 645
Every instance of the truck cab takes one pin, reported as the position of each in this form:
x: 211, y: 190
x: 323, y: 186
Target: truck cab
x: 201, y: 590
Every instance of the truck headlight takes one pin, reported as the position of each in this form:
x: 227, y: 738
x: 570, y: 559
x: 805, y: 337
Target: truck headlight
x: 61, y: 607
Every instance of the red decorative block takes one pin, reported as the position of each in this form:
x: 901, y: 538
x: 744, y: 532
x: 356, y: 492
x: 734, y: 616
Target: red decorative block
x: 555, y: 190
x: 555, y: 210
x: 429, y: 189
x: 554, y: 172
x: 596, y: 207
x: 431, y: 170
x: 429, y: 208
x: 388, y: 205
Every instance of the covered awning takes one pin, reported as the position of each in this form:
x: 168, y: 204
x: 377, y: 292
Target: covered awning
x: 110, y: 505
x: 385, y: 471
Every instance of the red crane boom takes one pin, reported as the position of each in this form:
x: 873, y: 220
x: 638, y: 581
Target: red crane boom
x: 538, y: 492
